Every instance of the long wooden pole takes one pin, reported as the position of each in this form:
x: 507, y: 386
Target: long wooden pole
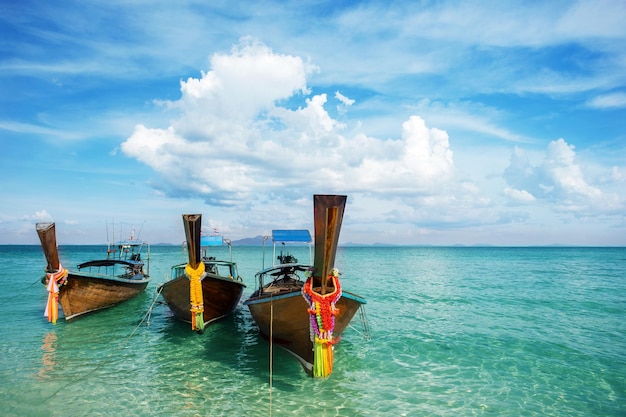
x: 47, y: 237
x: 193, y: 226
x: 328, y: 212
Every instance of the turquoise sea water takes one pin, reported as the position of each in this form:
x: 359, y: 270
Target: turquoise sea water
x: 454, y: 332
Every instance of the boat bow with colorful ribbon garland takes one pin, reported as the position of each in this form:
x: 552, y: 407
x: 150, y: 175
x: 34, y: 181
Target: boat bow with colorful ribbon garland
x: 322, y: 312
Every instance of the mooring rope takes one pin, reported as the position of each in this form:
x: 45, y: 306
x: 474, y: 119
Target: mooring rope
x: 19, y: 293
x: 154, y: 300
x: 364, y: 324
x: 271, y: 348
x: 108, y: 358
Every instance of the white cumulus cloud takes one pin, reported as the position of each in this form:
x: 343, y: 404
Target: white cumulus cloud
x: 521, y: 196
x: 343, y: 99
x: 558, y: 179
x: 235, y: 139
x: 42, y: 216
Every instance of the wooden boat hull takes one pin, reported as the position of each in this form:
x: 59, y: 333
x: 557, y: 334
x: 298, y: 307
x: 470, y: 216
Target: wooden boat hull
x: 220, y: 294
x: 284, y: 316
x: 84, y: 293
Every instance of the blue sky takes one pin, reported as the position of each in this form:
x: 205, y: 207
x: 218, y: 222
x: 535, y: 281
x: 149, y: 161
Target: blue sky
x: 445, y: 122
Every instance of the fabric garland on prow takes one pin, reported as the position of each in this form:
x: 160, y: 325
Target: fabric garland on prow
x: 322, y: 313
x: 55, y: 280
x: 195, y: 295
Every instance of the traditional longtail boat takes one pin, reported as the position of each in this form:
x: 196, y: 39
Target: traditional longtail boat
x: 93, y: 285
x: 205, y: 289
x: 306, y: 317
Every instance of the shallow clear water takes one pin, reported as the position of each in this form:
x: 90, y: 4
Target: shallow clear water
x: 454, y: 332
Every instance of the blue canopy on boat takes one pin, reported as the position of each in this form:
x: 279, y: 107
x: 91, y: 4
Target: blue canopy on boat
x: 286, y: 236
x: 211, y: 240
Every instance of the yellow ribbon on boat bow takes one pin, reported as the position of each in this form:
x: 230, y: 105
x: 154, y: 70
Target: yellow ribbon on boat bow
x: 52, y: 306
x: 195, y: 296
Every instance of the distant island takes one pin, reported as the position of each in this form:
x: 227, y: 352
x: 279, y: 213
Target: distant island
x: 249, y: 241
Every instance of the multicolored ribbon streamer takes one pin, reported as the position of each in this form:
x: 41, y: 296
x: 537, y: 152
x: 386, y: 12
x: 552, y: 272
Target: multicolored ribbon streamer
x: 322, y: 313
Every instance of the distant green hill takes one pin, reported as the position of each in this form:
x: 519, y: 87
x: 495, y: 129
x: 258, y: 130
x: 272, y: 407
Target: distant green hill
x: 249, y: 241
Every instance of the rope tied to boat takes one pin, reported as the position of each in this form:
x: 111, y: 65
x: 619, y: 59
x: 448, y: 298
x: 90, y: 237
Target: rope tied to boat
x: 55, y: 281
x: 322, y: 312
x: 195, y: 276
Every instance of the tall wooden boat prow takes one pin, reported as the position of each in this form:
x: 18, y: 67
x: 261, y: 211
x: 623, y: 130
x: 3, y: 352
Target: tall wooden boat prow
x: 93, y: 285
x: 301, y: 306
